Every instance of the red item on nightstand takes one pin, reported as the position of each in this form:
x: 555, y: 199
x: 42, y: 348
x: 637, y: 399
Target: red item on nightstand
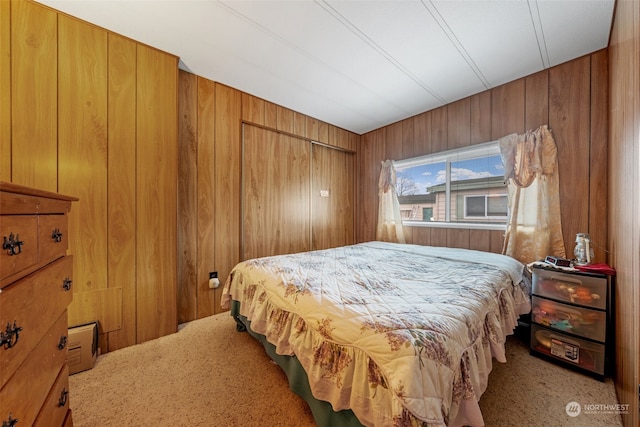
x: 597, y: 268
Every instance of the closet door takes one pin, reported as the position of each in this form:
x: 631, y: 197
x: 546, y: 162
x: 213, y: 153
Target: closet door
x: 276, y: 190
x: 332, y: 197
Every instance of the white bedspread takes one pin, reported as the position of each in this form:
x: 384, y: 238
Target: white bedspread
x: 400, y: 334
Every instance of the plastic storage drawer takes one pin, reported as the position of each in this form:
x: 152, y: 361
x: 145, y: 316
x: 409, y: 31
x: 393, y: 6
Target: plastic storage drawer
x: 577, y: 320
x: 581, y: 353
x: 585, y: 290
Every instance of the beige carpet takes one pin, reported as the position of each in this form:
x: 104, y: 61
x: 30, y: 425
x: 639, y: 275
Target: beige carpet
x: 208, y: 374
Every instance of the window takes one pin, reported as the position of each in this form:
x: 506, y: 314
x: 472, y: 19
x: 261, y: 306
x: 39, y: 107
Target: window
x: 457, y: 188
x: 485, y: 206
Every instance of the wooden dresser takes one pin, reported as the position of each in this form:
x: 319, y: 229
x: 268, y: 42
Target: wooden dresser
x: 35, y: 290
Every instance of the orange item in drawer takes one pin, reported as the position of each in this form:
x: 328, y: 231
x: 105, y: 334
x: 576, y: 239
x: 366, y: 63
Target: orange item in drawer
x: 582, y: 289
x: 585, y: 322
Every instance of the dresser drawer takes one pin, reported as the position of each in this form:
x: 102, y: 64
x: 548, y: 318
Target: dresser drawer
x: 25, y: 392
x: 53, y: 236
x: 33, y: 304
x: 581, y: 353
x: 581, y: 321
x: 55, y: 408
x: 588, y: 291
x: 18, y: 228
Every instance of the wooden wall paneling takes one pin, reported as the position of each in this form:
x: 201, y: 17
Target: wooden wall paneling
x: 275, y: 195
x: 569, y: 119
x: 285, y: 120
x: 323, y: 132
x: 536, y: 100
x: 480, y: 117
x: 393, y: 142
x: 480, y: 240
x: 5, y: 91
x: 257, y: 147
x: 34, y: 83
x: 270, y: 115
x: 188, y: 190
x: 355, y: 141
x: 121, y: 184
x: 104, y: 305
x: 497, y: 241
x: 332, y: 213
x: 439, y: 129
x: 598, y: 182
x: 332, y: 136
x: 352, y: 140
x: 458, y: 238
x: 311, y: 128
x: 156, y: 191
x: 459, y: 124
x: 299, y: 124
x: 207, y: 185
x: 253, y: 109
x: 422, y: 134
x: 624, y: 199
x: 408, y: 138
x: 419, y: 235
x: 228, y: 160
x: 507, y: 109
x: 337, y: 138
x: 341, y: 138
x: 82, y: 147
x: 438, y: 237
x: 370, y: 155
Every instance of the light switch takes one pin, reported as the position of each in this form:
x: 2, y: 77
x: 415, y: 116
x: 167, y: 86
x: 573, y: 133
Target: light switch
x: 324, y: 193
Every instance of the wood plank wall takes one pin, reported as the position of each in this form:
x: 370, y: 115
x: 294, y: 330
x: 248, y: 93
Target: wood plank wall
x: 571, y: 98
x: 211, y: 119
x: 89, y: 113
x: 624, y: 200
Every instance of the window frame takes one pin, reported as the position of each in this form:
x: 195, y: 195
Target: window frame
x: 447, y: 157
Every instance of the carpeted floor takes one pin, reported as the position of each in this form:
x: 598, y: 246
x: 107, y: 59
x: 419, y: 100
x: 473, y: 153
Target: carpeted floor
x: 207, y: 374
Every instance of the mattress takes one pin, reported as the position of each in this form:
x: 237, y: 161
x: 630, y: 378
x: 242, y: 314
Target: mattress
x: 399, y: 334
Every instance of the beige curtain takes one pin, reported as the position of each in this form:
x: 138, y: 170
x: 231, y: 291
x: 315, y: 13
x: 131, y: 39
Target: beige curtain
x: 389, y: 227
x: 534, y: 229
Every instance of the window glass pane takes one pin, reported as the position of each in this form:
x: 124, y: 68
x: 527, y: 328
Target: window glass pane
x: 474, y: 180
x: 475, y: 206
x: 421, y: 188
x: 497, y: 206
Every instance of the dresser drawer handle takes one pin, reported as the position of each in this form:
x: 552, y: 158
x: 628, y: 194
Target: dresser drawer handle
x: 12, y: 244
x: 7, y: 338
x: 66, y: 284
x: 62, y: 343
x: 63, y: 398
x: 56, y: 235
x: 10, y: 422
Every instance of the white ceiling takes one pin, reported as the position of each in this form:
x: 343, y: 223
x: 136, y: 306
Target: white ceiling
x: 361, y: 64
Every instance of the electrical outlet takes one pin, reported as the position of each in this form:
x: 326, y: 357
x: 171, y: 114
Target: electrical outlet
x: 214, y: 282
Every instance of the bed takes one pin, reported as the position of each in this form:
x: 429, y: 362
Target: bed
x: 389, y: 334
